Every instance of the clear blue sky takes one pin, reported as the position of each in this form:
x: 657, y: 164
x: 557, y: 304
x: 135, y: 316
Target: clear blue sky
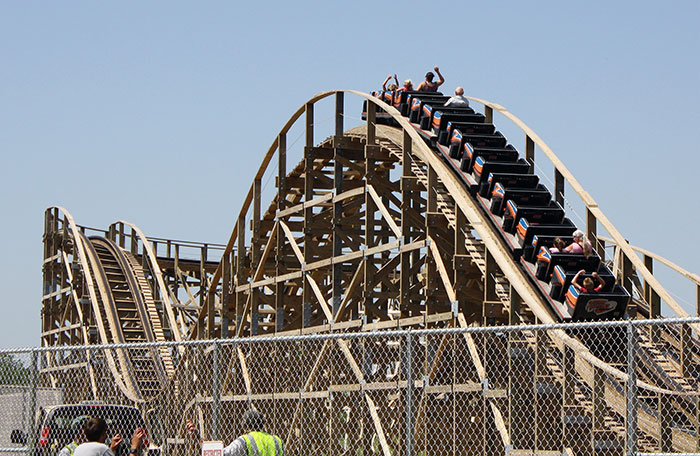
x: 158, y: 112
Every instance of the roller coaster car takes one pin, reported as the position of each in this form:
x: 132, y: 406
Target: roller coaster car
x: 543, y: 240
x: 402, y: 100
x: 445, y: 114
x: 464, y: 143
x: 488, y: 154
x: 530, y: 220
x: 387, y: 97
x: 539, y: 196
x: 381, y: 116
x: 466, y: 128
x: 597, y: 306
x: 510, y: 180
x: 561, y: 280
x: 431, y: 109
x: 546, y: 262
x: 483, y: 168
x: 550, y: 214
x: 417, y: 101
x: 526, y: 232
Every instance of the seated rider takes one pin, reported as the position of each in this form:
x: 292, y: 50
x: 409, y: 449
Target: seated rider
x: 428, y: 85
x: 558, y: 246
x: 588, y: 283
x: 407, y: 85
x: 458, y: 100
x: 580, y: 244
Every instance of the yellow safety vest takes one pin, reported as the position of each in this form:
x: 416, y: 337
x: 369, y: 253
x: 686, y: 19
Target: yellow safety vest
x: 262, y: 444
x: 71, y: 447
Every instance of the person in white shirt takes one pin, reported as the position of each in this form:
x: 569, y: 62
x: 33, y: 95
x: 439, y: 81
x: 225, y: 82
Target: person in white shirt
x: 458, y: 100
x: 96, y: 435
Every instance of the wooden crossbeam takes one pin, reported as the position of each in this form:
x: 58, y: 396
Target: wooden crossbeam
x: 384, y: 211
x: 319, y: 296
x: 481, y: 371
x: 292, y: 241
x: 244, y: 370
x: 452, y: 295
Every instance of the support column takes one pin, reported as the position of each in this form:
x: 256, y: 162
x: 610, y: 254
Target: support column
x: 308, y: 213
x: 592, y: 234
x: 370, y: 239
x: 558, y: 186
x: 225, y: 293
x: 432, y: 277
x: 631, y: 391
x: 241, y: 296
x: 653, y: 300
x: 255, y: 257
x: 279, y: 239
x: 408, y: 186
x: 338, y: 176
x: 530, y: 153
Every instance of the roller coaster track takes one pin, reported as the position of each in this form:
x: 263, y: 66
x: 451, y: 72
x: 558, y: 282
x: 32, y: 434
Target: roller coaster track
x: 371, y: 230
x: 121, y: 309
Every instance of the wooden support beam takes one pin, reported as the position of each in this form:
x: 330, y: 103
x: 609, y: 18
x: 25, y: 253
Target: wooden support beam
x: 383, y: 210
x: 665, y: 414
x: 592, y: 234
x: 292, y: 242
x: 530, y: 152
x: 488, y: 113
x: 598, y: 399
x: 321, y: 300
x: 558, y: 186
x: 452, y: 296
x: 244, y: 371
x: 481, y: 372
x: 686, y: 351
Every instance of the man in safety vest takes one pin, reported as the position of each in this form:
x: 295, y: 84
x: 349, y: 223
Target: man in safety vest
x: 76, y: 425
x: 256, y: 442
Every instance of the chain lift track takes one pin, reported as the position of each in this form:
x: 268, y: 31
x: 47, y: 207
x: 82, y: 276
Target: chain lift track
x: 370, y: 231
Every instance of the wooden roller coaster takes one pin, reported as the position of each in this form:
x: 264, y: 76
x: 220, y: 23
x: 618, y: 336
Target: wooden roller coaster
x: 371, y: 230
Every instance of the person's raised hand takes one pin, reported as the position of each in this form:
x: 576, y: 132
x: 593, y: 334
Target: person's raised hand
x: 437, y: 70
x: 116, y: 441
x: 137, y: 438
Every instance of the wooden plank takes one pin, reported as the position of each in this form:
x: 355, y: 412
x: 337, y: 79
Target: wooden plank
x: 383, y: 210
x: 292, y: 242
x: 444, y: 316
x: 351, y: 289
x: 61, y: 329
x: 321, y: 299
x: 64, y: 367
x: 244, y: 370
x: 442, y: 270
x: 305, y: 205
x: 378, y: 425
x: 339, y: 326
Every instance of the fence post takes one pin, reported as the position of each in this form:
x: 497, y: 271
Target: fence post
x: 409, y: 393
x: 631, y: 444
x: 215, y: 390
x: 34, y: 372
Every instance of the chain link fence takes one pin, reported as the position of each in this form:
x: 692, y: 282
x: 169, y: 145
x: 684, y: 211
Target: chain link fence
x: 588, y: 388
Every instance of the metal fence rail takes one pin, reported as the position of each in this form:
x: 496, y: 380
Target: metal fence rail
x: 626, y: 387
